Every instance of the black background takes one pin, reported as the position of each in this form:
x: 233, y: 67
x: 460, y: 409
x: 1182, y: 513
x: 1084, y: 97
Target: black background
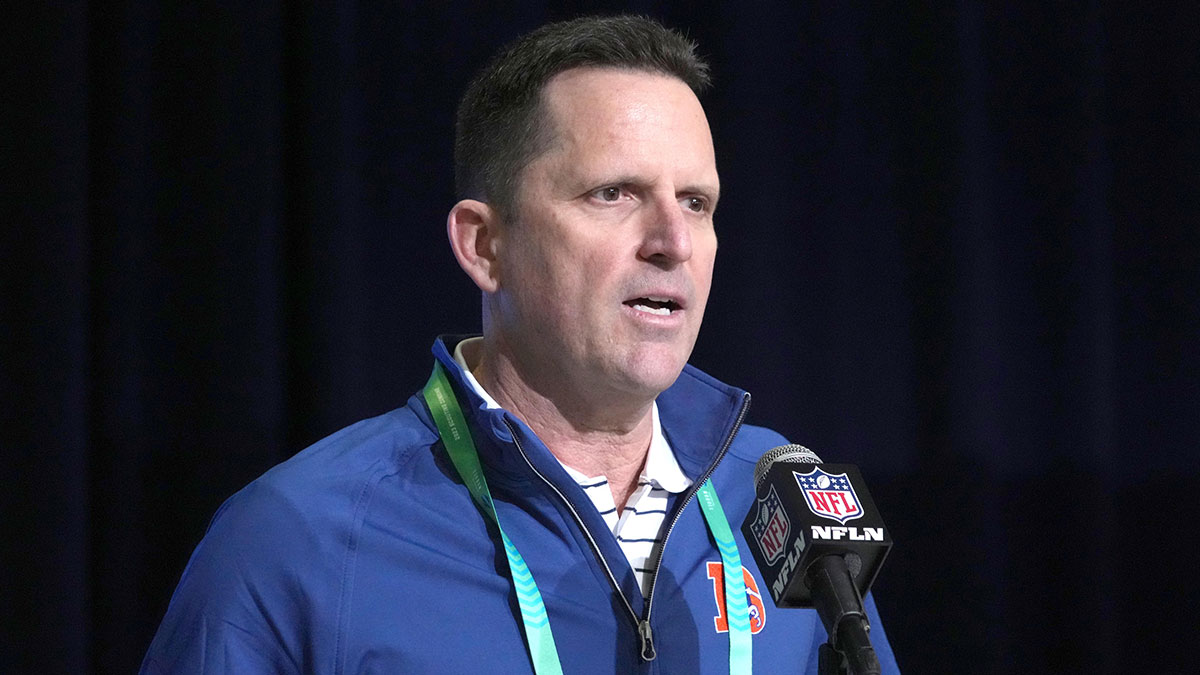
x: 959, y: 247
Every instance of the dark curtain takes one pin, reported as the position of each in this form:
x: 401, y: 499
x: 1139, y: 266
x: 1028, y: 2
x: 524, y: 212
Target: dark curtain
x: 959, y: 247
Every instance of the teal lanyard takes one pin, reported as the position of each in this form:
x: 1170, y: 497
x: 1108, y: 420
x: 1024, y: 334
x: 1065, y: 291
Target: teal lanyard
x: 452, y: 427
x: 735, y: 586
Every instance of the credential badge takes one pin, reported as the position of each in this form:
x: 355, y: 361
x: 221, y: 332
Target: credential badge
x: 829, y: 495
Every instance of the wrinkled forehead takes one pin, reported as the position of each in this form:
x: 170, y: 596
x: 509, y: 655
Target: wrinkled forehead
x: 580, y: 94
x: 626, y: 121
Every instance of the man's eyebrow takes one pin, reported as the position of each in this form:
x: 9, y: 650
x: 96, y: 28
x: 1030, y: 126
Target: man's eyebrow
x: 623, y: 179
x: 713, y: 192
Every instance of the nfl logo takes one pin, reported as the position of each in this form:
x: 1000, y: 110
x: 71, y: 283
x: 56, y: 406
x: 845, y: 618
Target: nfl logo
x: 770, y: 527
x: 829, y: 495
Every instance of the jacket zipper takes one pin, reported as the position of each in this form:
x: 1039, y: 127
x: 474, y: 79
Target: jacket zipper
x: 644, y: 629
x: 612, y: 579
x: 645, y: 634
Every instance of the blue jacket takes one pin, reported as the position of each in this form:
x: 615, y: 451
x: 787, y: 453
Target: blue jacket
x: 365, y: 554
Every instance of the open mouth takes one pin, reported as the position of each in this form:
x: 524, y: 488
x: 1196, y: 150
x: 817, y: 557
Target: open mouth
x: 659, y: 306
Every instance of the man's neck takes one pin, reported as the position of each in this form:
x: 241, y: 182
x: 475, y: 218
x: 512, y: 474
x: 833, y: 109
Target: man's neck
x: 590, y: 437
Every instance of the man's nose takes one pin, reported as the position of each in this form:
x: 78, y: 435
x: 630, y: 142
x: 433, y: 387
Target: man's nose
x: 667, y: 238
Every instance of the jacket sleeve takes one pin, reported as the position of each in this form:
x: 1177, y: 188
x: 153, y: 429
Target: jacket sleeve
x: 197, y: 643
x: 244, y: 602
x: 879, y: 639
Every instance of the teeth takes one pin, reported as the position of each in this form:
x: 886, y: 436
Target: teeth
x: 661, y: 311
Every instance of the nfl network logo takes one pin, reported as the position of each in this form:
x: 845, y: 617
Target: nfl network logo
x: 829, y: 495
x: 770, y: 527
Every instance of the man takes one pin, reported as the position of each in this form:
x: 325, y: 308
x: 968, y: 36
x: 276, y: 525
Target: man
x: 566, y: 520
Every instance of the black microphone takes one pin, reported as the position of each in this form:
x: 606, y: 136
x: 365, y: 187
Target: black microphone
x: 819, y: 542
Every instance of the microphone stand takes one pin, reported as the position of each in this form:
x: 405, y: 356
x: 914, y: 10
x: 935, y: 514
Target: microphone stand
x: 849, y: 650
x: 830, y: 661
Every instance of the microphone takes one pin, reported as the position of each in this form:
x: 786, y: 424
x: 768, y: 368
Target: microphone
x: 819, y: 542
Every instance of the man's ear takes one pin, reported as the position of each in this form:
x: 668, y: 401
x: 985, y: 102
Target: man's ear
x: 472, y: 227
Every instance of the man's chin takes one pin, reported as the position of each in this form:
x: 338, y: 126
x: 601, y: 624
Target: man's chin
x: 650, y: 377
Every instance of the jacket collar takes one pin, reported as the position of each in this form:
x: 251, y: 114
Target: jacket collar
x: 698, y: 414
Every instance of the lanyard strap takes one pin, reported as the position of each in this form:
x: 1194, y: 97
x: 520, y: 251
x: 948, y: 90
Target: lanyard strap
x: 452, y: 427
x: 736, y: 608
x: 457, y: 438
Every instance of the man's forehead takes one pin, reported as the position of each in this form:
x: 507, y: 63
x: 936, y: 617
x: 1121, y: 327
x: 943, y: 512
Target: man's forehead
x: 583, y: 82
x: 614, y: 102
x: 581, y: 144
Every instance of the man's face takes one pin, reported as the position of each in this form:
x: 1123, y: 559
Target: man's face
x: 605, y: 268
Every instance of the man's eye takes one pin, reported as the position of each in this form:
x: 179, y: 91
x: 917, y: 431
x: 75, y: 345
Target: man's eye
x: 609, y: 194
x: 696, y: 204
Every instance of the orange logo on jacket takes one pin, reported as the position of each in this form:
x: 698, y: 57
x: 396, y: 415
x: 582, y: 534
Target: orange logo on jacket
x: 758, y: 613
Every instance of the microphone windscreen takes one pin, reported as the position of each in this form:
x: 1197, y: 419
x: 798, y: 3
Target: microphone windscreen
x: 797, y: 454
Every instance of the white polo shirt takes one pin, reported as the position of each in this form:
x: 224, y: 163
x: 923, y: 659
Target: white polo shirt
x: 638, y: 528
